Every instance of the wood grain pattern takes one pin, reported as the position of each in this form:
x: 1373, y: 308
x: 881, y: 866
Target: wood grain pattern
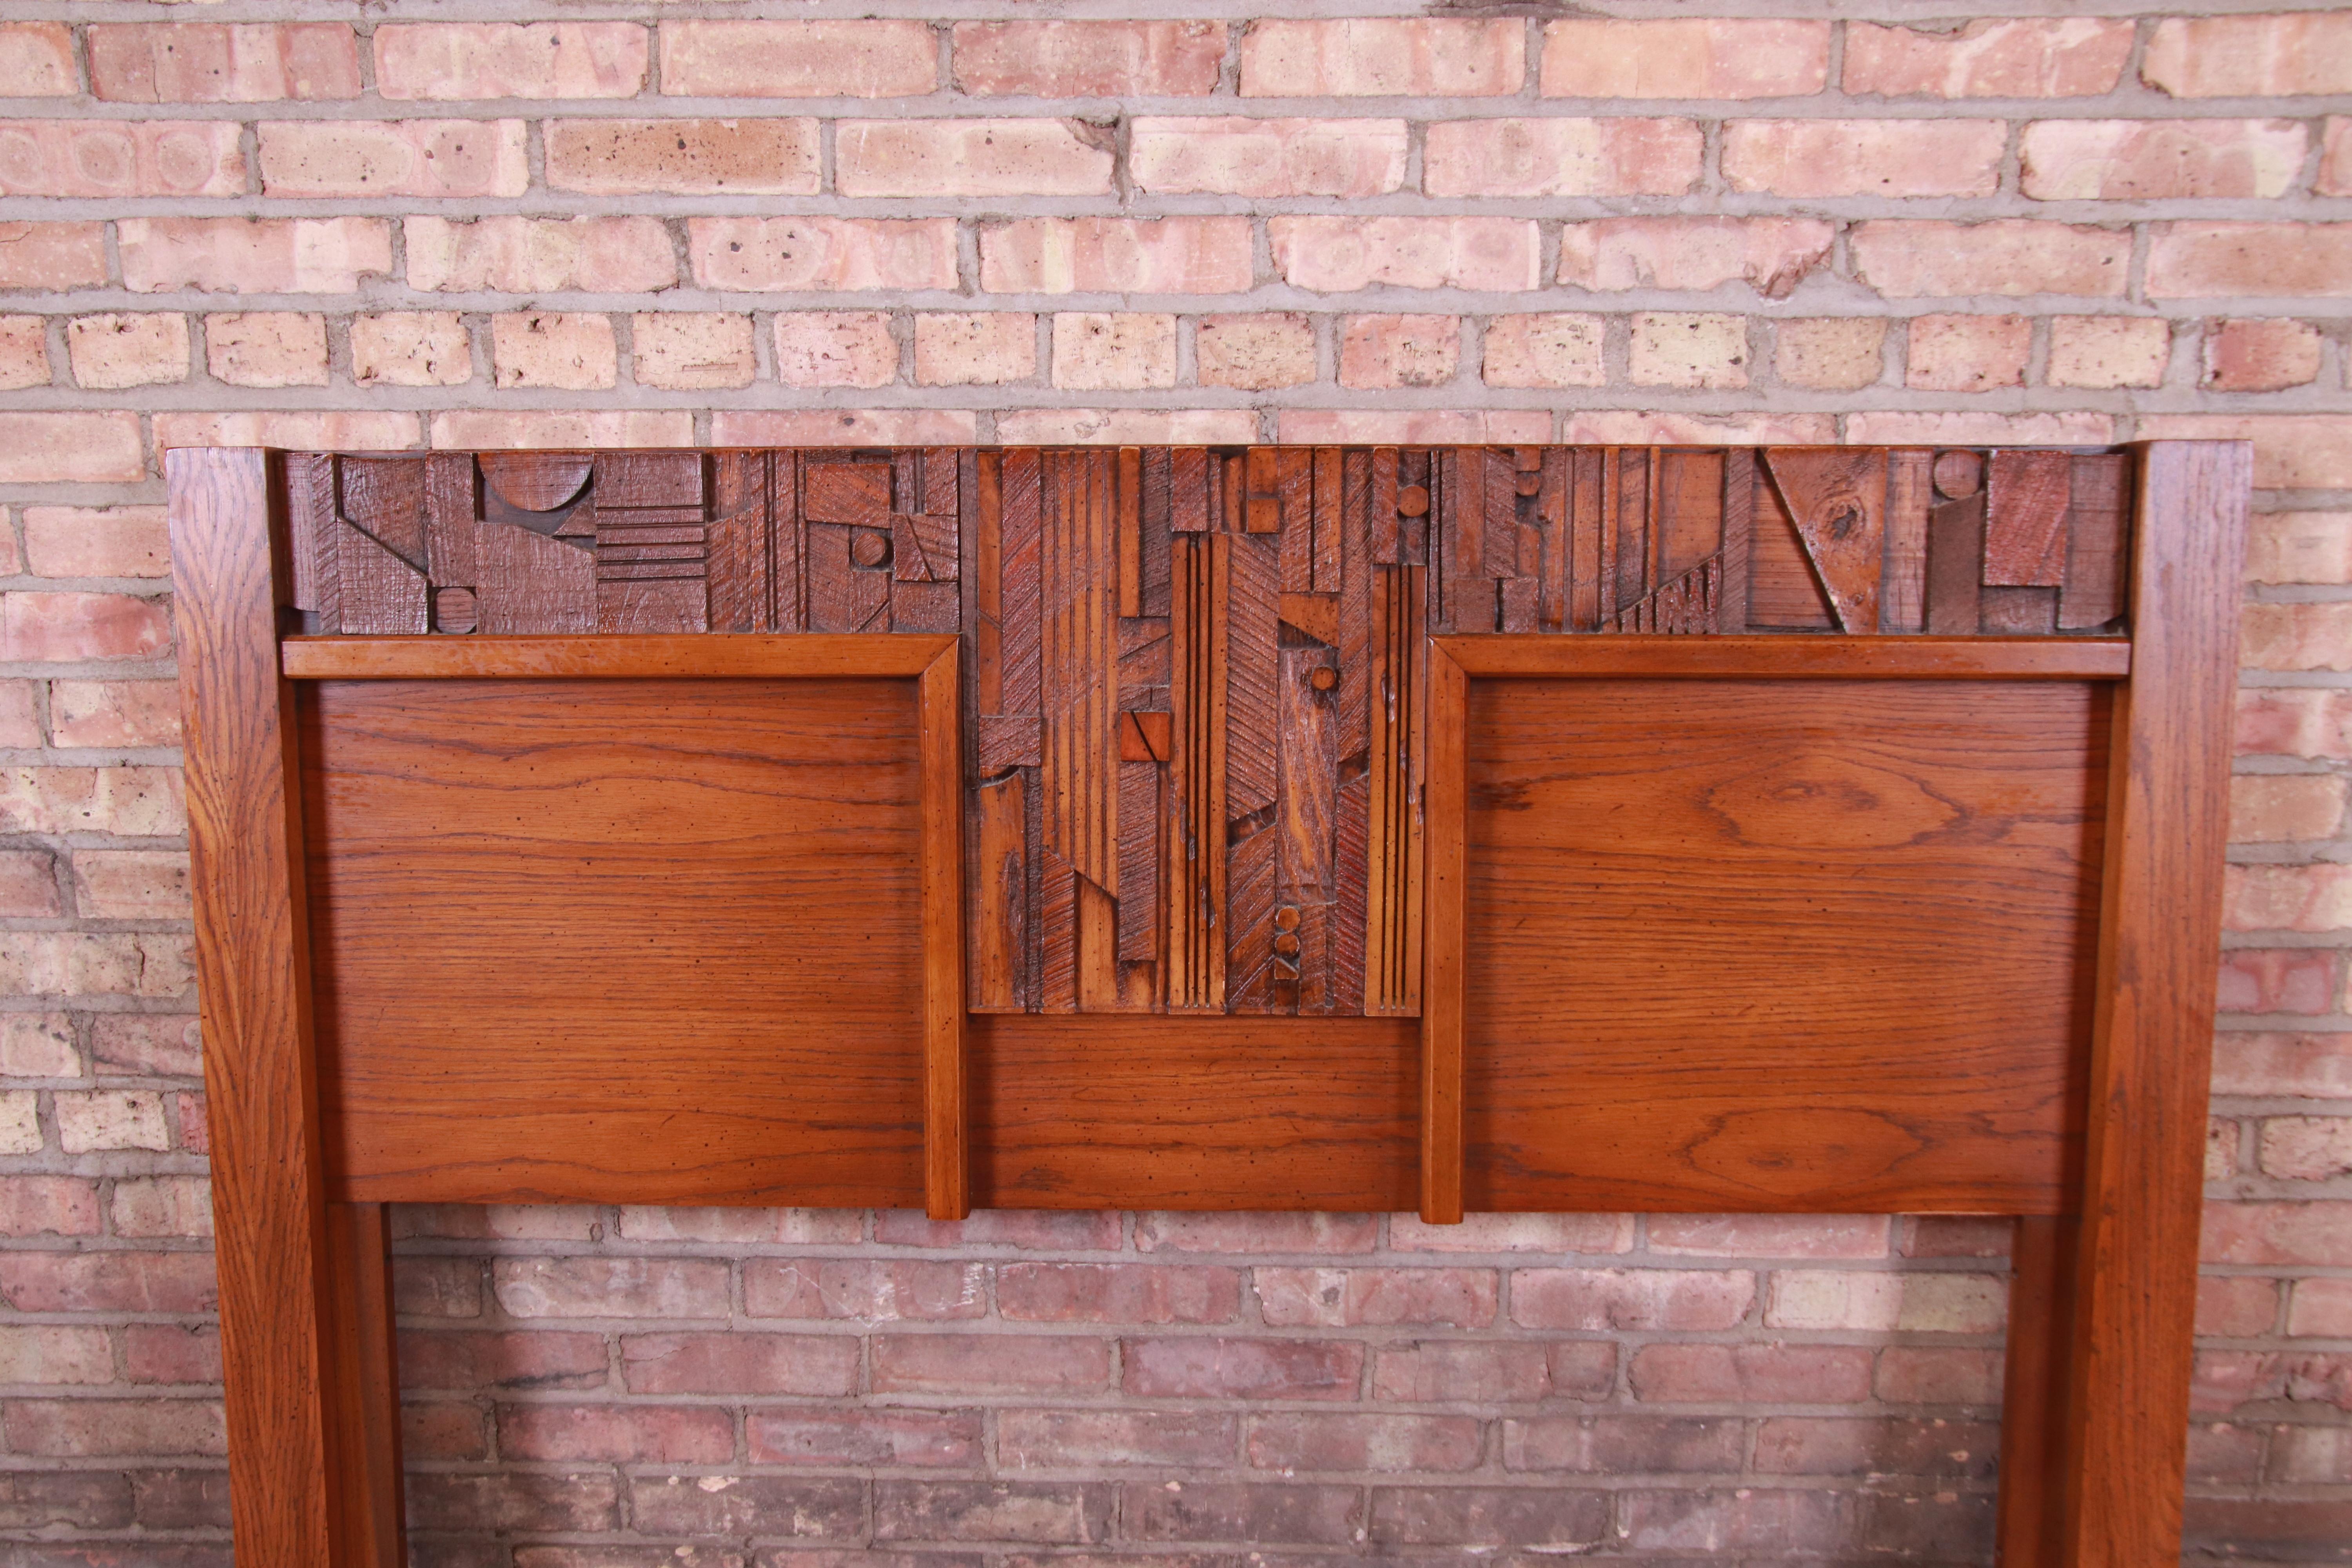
x: 1396, y: 872
x: 1903, y: 605
x: 2144, y: 1147
x: 2027, y: 496
x: 2099, y: 554
x: 1837, y: 496
x: 1956, y: 532
x: 1797, y: 658
x: 1444, y: 1022
x: 1845, y: 863
x: 253, y: 979
x: 939, y: 697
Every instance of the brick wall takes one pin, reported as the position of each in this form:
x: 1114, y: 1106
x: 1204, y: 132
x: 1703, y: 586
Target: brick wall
x: 650, y: 222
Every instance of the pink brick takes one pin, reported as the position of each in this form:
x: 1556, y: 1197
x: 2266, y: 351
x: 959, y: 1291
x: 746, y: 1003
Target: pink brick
x: 2306, y: 1148
x: 2236, y: 1306
x: 2223, y: 1381
x: 1758, y: 1374
x: 131, y: 884
x: 835, y: 348
x: 51, y: 255
x: 970, y: 158
x: 2150, y: 160
x: 1768, y: 1235
x: 2278, y: 979
x: 456, y: 62
x: 267, y: 348
x: 2251, y: 56
x: 162, y: 1206
x: 847, y: 427
x: 167, y: 1352
x: 870, y: 1290
x: 2297, y: 636
x: 19, y: 725
x: 49, y: 1206
x: 427, y: 158
x: 1561, y: 157
x: 1981, y: 429
x: 1400, y: 351
x: 28, y: 884
x: 1969, y: 354
x: 101, y: 1428
x: 130, y: 802
x: 1629, y: 428
x: 470, y: 1361
x: 1345, y: 255
x: 2277, y: 808
x: 2106, y: 351
x: 1910, y: 1375
x: 1492, y: 1372
x: 69, y: 627
x: 798, y: 59
x: 2294, y: 722
x: 114, y: 158
x: 109, y: 1119
x: 2261, y: 355
x: 1117, y: 256
x: 24, y: 352
x: 765, y: 156
x: 507, y: 429
x: 1618, y: 1445
x: 1830, y: 353
x: 805, y: 1436
x: 265, y: 256
x: 1772, y: 256
x: 2299, y: 547
x: 412, y: 348
x: 39, y: 1045
x: 2195, y: 261
x: 988, y: 1363
x: 36, y: 59
x: 821, y: 1366
x: 2277, y: 1233
x: 801, y: 254
x: 498, y: 1222
x: 1353, y: 1297
x: 1116, y: 1293
x: 207, y: 62
x: 1613, y: 1298
x: 1268, y: 157
x: 2071, y: 56
x: 445, y: 1287
x: 657, y: 1434
x: 1074, y: 1439
x: 1413, y: 426
x: 1864, y: 157
x: 1089, y: 60
x: 690, y: 350
x: 2319, y: 1309
x: 97, y: 542
x: 530, y: 256
x: 1601, y: 1233
x: 2288, y: 898
x: 1114, y: 351
x: 113, y: 1282
x: 975, y: 348
x: 611, y: 1288
x: 573, y: 350
x: 121, y: 350
x: 786, y: 1227
x: 1902, y: 258
x: 2336, y: 162
x: 334, y: 431
x: 1688, y: 349
x: 1126, y: 426
x: 1316, y: 1441
x: 1217, y: 1368
x: 2292, y: 452
x: 1384, y: 57
x: 1699, y: 58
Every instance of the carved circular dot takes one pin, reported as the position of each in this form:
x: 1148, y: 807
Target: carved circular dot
x: 1413, y: 500
x: 1531, y: 482
x: 870, y: 549
x: 1958, y: 474
x: 1287, y: 946
x: 1285, y: 917
x: 1324, y: 678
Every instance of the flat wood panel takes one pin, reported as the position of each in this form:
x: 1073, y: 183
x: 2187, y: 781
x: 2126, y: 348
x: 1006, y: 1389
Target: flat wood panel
x: 1765, y: 945
x: 1200, y: 1111
x: 621, y: 940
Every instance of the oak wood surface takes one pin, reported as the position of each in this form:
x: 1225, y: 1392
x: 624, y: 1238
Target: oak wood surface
x: 2135, y: 1270
x: 1795, y: 658
x: 1204, y: 1111
x: 639, y: 940
x: 1444, y: 995
x: 940, y: 779
x: 1738, y: 961
x: 253, y: 962
x: 606, y: 657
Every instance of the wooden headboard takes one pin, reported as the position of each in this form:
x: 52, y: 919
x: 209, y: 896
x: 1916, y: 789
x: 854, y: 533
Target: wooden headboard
x: 1800, y: 831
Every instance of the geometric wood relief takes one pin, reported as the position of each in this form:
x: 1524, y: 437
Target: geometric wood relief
x: 1196, y: 681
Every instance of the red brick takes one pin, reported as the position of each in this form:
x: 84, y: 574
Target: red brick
x: 1089, y: 60
x: 2260, y: 356
x: 115, y: 158
x: 2251, y: 56
x: 437, y: 1286
x: 1117, y: 256
x: 1903, y: 257
x: 766, y: 156
x: 97, y: 542
x: 1089, y: 1439
x: 2236, y: 1306
x: 515, y: 1500
x: 1353, y: 1297
x: 1864, y: 157
x: 1622, y: 1445
x: 73, y: 627
x: 2293, y: 721
x: 108, y: 1281
x: 818, y: 1436
x: 1842, y: 1446
x: 1255, y: 157
x: 1767, y: 1372
x: 1493, y: 1371
x: 2272, y: 808
x: 28, y: 884
x: 2336, y: 162
x: 870, y: 1290
x: 52, y: 255
x: 787, y: 1226
x: 1384, y: 57
x: 1400, y: 351
x: 1749, y: 1519
x: 36, y: 59
x: 2279, y: 1233
x: 2225, y: 1381
x: 1561, y: 157
x: 970, y: 158
x: 498, y: 1222
x: 1552, y: 1519
x: 1314, y: 1441
x: 2318, y: 1309
x: 1116, y: 1293
x: 847, y: 427
x: 468, y: 1360
x: 611, y: 1288
x: 530, y: 255
x: 1413, y: 426
x: 2144, y: 159
x: 1910, y: 1375
x: 1221, y: 1368
x: 2300, y: 547
x: 1260, y: 1232
x: 819, y: 253
x: 1345, y: 255
x: 980, y: 1364
x: 798, y: 59
x: 442, y: 1430
x: 1698, y: 57
x: 210, y: 62
x: 1042, y: 1512
x: 2291, y: 451
x: 2231, y: 1526
x: 2299, y: 980
x: 49, y: 1206
x: 2297, y: 636
x: 1967, y: 354
x: 1772, y: 256
x: 1590, y: 1232
x: 2069, y: 57
x: 1126, y: 426
x: 1258, y: 1515
x: 171, y: 1353
x: 510, y: 429
x: 2306, y: 1148
x: 2195, y: 261
x: 262, y: 256
x: 426, y: 158
x: 456, y: 61
x: 643, y: 1433
x: 1606, y: 1298
x: 93, y: 1428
